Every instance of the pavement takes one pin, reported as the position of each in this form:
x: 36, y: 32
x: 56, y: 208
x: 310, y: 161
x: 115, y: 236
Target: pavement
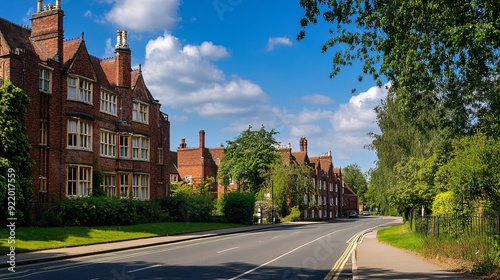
x: 371, y: 259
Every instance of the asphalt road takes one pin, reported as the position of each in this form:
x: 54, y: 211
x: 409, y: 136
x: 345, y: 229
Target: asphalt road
x: 312, y: 251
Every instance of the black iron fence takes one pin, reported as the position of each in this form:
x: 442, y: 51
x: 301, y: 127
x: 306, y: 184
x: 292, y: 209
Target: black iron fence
x: 479, y: 235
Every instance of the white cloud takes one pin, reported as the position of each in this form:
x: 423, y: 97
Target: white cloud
x: 145, y: 15
x: 358, y: 113
x: 109, y: 50
x: 206, y: 50
x: 186, y: 77
x: 317, y: 99
x: 88, y: 13
x: 274, y: 41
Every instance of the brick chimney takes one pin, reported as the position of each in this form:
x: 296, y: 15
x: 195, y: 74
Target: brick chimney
x: 202, y: 139
x: 123, y: 60
x: 303, y: 144
x: 47, y: 28
x: 183, y: 144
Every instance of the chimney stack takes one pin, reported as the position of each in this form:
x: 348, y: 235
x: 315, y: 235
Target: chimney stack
x: 47, y: 29
x: 202, y: 139
x: 123, y: 60
x: 303, y: 144
x: 183, y: 144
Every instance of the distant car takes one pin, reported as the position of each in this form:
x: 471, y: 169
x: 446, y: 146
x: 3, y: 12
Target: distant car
x: 353, y: 214
x: 366, y: 213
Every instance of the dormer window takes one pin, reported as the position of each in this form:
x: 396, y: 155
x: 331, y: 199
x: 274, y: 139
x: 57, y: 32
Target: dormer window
x: 79, y: 89
x: 140, y: 112
x: 45, y: 80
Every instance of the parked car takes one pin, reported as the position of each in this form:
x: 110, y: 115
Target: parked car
x: 366, y: 213
x: 353, y: 214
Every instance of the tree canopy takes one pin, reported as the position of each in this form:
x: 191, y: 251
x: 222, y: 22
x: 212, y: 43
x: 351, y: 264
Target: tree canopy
x: 431, y: 51
x: 247, y: 159
x: 354, y: 178
x: 14, y: 152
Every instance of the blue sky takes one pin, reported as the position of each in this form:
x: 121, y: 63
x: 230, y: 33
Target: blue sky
x: 222, y: 65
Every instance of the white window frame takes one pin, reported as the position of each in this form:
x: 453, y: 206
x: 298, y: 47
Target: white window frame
x: 79, y: 135
x: 188, y: 179
x: 124, y: 185
x: 140, y: 186
x: 108, y: 102
x: 80, y: 89
x: 108, y: 144
x: 109, y: 184
x: 80, y: 180
x: 45, y: 79
x: 140, y: 112
x: 124, y: 147
x: 140, y: 148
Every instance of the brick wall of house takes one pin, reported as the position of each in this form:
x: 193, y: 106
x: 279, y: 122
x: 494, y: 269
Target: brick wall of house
x: 43, y: 47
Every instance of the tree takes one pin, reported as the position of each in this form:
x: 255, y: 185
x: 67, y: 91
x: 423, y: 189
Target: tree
x: 14, y: 153
x: 354, y: 178
x: 288, y: 184
x: 446, y: 51
x: 248, y: 158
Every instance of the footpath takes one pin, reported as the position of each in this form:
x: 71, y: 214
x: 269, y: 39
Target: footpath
x: 371, y: 260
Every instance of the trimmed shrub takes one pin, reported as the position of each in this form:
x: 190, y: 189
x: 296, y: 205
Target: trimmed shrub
x: 238, y: 207
x: 98, y: 211
x: 187, y: 207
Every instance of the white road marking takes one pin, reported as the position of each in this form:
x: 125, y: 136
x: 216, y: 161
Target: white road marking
x: 227, y: 250
x: 281, y: 256
x: 144, y: 268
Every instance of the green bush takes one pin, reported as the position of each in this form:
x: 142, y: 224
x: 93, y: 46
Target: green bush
x: 97, y: 211
x: 183, y: 207
x: 238, y: 207
x: 294, y: 215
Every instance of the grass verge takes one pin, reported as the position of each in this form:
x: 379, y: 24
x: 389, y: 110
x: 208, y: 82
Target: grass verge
x: 31, y: 239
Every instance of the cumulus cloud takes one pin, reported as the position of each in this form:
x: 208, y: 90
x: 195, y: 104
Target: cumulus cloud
x: 186, y: 77
x: 146, y: 15
x: 274, y: 41
x: 358, y: 113
x: 316, y: 99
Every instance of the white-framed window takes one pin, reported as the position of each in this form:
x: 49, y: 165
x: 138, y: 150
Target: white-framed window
x: 79, y: 134
x: 140, y: 148
x: 124, y: 186
x: 79, y: 89
x: 188, y: 179
x: 108, y: 144
x: 124, y: 146
x: 305, y: 198
x: 174, y: 177
x: 109, y: 184
x: 140, y: 112
x: 108, y: 102
x: 79, y: 181
x: 140, y: 186
x: 331, y: 187
x: 45, y: 80
x: 43, y: 183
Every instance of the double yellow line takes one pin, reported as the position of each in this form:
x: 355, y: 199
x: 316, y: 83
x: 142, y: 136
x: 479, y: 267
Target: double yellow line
x: 339, y: 265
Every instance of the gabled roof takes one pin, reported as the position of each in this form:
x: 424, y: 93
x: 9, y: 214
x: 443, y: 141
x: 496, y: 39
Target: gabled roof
x: 139, y: 88
x: 301, y: 157
x: 16, y: 36
x: 70, y: 48
x: 348, y: 190
x: 99, y: 72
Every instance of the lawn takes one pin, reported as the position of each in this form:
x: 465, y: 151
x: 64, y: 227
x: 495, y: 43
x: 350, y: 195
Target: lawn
x: 401, y: 236
x: 34, y: 238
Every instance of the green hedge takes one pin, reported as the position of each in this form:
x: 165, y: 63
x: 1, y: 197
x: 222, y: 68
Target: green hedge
x: 188, y: 208
x: 96, y: 211
x: 238, y: 207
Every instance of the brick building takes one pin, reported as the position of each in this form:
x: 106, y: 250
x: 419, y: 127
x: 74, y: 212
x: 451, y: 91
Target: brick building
x: 86, y: 114
x: 195, y: 164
